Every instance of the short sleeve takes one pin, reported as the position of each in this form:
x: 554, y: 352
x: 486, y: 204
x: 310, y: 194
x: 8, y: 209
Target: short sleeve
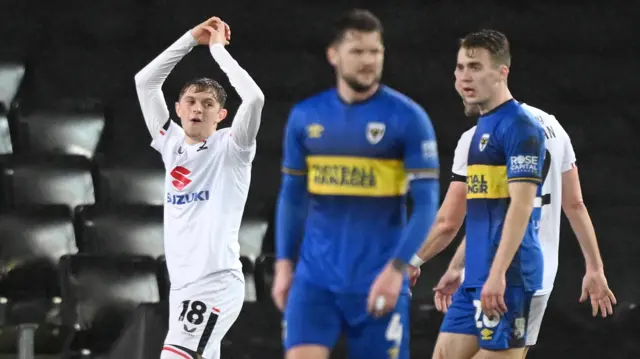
x: 420, y: 146
x: 294, y: 153
x: 524, y: 144
x: 569, y: 160
x: 460, y: 157
x: 169, y: 133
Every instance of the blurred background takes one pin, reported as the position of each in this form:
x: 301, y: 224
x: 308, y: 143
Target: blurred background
x: 81, y: 191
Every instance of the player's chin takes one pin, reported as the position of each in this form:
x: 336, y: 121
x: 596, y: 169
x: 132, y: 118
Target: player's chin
x: 471, y: 102
x: 368, y: 80
x: 192, y: 131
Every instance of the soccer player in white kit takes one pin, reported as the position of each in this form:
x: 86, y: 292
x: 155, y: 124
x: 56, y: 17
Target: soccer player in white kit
x: 561, y: 189
x: 207, y: 182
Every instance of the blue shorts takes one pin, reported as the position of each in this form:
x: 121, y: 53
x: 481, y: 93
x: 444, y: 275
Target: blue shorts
x: 318, y: 316
x: 509, y: 331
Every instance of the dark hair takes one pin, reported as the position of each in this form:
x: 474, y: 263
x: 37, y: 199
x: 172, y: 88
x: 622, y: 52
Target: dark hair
x: 204, y: 84
x: 491, y: 40
x: 358, y: 20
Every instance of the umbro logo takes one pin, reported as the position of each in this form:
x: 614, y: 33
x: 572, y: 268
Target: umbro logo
x: 180, y: 176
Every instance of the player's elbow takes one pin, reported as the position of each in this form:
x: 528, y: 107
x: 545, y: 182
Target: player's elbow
x: 140, y: 80
x: 144, y: 81
x: 292, y: 189
x: 447, y: 224
x: 256, y: 98
x: 573, y: 207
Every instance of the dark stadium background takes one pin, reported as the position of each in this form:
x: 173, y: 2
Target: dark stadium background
x: 78, y: 175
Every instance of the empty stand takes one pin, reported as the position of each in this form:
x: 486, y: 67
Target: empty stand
x: 6, y: 145
x: 100, y: 293
x: 252, y: 233
x: 264, y: 271
x: 48, y: 180
x: 11, y: 75
x: 32, y: 241
x: 120, y: 229
x: 164, y: 284
x: 131, y: 182
x: 265, y: 179
x: 57, y: 132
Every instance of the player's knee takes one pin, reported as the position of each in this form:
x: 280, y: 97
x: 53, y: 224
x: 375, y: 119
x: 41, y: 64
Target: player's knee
x: 455, y: 346
x: 308, y: 352
x: 516, y: 353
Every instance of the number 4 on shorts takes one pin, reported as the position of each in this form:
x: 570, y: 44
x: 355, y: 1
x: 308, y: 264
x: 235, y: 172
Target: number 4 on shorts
x: 394, y: 334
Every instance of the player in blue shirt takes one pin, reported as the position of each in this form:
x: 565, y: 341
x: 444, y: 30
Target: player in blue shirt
x: 503, y: 258
x: 350, y: 156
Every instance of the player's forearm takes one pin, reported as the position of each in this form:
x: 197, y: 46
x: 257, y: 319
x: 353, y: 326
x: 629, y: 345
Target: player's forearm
x: 457, y: 262
x: 515, y: 226
x: 150, y: 79
x: 291, y: 213
x: 582, y: 226
x: 448, y: 222
x: 439, y: 238
x: 425, y: 194
x: 247, y: 121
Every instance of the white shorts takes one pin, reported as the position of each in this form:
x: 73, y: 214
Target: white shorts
x: 536, y: 312
x: 201, y: 313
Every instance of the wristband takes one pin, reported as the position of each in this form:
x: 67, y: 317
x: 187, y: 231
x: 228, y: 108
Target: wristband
x: 416, y: 261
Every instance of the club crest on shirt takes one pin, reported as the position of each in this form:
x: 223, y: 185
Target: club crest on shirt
x: 375, y: 132
x: 315, y: 130
x: 484, y: 140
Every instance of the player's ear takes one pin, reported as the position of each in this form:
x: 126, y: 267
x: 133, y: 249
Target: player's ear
x: 504, y: 72
x: 222, y: 114
x: 332, y: 55
x: 177, y: 107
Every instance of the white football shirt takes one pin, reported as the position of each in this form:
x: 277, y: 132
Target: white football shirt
x: 206, y: 183
x: 562, y: 158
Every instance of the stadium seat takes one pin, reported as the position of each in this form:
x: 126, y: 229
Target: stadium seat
x: 48, y: 180
x: 163, y: 278
x: 120, y: 229
x: 6, y: 145
x: 65, y: 133
x: 33, y: 239
x: 252, y: 233
x: 11, y: 75
x: 265, y: 181
x: 131, y: 183
x: 264, y: 270
x: 99, y: 294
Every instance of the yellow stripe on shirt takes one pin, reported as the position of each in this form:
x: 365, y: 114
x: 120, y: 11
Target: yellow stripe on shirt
x: 356, y: 176
x: 487, y: 182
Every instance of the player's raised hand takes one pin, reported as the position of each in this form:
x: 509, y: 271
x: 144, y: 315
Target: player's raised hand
x: 596, y: 288
x: 414, y: 274
x: 446, y: 288
x: 385, y: 290
x: 282, y: 283
x: 212, y: 31
x: 492, y: 296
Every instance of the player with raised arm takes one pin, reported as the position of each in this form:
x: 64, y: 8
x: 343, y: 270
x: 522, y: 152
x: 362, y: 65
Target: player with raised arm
x: 207, y: 182
x: 560, y: 190
x: 350, y: 154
